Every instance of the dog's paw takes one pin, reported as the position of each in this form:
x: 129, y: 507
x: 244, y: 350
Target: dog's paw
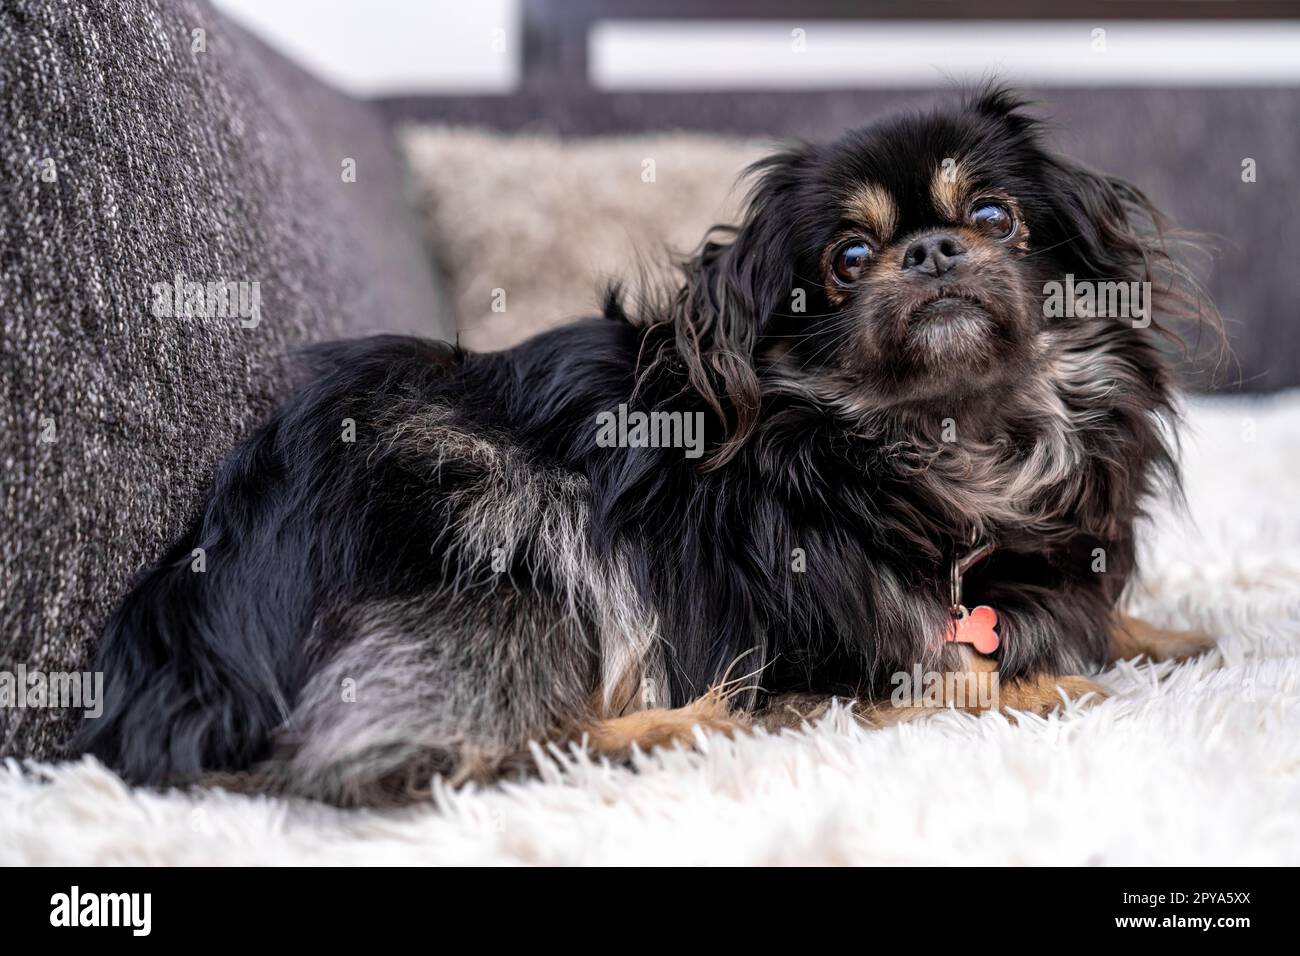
x: 658, y: 727
x: 1046, y: 694
x: 1130, y: 638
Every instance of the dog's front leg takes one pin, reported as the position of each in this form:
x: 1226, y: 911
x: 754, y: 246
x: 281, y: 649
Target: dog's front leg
x: 1130, y: 637
x: 970, y: 683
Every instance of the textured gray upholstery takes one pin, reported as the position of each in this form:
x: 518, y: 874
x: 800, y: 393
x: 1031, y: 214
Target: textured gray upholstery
x: 128, y: 157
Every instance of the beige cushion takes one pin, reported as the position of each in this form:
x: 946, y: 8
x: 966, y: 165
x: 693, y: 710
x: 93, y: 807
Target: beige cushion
x: 546, y: 220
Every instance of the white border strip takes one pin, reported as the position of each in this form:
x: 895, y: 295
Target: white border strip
x: 393, y: 46
x: 710, y: 54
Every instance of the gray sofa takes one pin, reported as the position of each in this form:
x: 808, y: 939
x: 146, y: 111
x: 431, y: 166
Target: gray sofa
x: 130, y: 153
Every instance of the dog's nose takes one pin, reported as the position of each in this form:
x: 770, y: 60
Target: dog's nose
x: 933, y: 254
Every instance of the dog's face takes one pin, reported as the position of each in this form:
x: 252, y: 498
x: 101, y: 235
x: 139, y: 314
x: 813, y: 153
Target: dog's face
x: 921, y: 237
x: 905, y: 264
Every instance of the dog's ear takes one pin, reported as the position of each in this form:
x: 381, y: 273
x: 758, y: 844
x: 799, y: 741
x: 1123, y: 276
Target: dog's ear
x: 1107, y: 230
x: 734, y: 283
x: 1108, y: 225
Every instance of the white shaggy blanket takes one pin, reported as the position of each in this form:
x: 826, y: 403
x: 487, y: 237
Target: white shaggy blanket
x: 1189, y: 764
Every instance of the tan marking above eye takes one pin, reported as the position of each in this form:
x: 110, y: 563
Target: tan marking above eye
x: 872, y: 206
x: 948, y: 187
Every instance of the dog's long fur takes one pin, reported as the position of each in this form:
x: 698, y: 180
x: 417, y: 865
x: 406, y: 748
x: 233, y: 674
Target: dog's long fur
x: 475, y: 572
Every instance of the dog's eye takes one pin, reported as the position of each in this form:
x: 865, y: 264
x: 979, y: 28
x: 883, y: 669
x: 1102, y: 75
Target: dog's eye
x: 994, y: 219
x: 849, y: 261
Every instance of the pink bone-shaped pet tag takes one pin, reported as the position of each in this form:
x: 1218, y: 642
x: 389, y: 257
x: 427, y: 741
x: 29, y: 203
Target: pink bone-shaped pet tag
x: 976, y: 629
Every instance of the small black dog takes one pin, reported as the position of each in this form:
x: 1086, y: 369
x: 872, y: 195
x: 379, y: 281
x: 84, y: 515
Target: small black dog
x: 428, y: 559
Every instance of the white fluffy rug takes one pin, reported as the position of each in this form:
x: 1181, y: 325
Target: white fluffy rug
x: 1190, y: 764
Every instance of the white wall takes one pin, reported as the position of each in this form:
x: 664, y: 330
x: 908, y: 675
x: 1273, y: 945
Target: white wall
x: 372, y: 47
x: 718, y: 55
